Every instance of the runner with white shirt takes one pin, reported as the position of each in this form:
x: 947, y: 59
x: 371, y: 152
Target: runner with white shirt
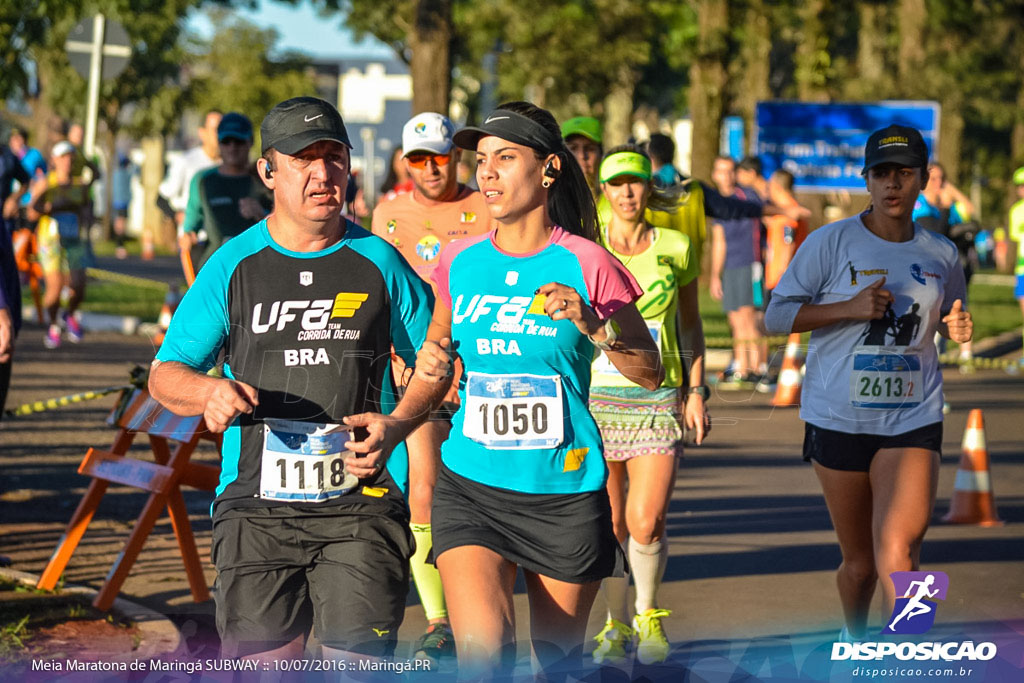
x: 874, y: 289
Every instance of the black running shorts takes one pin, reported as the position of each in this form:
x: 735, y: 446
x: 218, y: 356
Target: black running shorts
x: 282, y: 571
x: 854, y: 452
x: 567, y: 537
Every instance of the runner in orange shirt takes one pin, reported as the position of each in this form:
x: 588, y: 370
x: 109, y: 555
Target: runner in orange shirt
x: 784, y: 233
x: 420, y: 224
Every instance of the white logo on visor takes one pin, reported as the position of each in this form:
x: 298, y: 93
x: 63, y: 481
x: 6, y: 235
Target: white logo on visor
x: 307, y: 119
x: 306, y: 278
x: 496, y: 118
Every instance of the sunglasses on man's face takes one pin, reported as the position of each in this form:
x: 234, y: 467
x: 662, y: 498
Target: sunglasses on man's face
x: 234, y: 141
x: 419, y: 161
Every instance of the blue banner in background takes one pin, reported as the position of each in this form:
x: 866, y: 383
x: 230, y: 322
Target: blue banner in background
x: 822, y: 145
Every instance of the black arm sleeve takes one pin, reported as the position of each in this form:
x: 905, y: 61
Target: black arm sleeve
x: 164, y: 206
x: 725, y: 208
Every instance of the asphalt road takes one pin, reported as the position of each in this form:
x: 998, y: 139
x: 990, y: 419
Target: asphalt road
x: 750, y: 578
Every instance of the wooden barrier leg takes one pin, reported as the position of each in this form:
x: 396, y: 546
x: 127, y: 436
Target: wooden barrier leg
x: 123, y: 564
x: 187, y: 544
x: 73, y: 535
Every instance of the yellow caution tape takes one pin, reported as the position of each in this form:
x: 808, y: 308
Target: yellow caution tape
x: 123, y: 279
x: 54, y: 403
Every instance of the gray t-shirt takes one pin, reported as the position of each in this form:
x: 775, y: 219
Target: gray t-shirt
x: 879, y: 376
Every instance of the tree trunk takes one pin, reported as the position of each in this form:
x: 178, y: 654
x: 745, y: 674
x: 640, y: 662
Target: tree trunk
x: 951, y: 131
x: 755, y: 85
x: 813, y: 58
x: 707, y: 85
x: 1017, y: 134
x: 154, y: 229
x: 618, y: 107
x: 911, y: 20
x: 871, y: 49
x: 431, y: 67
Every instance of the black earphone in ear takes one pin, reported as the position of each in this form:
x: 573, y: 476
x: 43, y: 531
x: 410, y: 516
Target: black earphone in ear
x: 268, y: 170
x: 550, y: 171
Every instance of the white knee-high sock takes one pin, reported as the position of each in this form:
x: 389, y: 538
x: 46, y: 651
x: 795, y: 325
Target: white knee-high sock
x: 648, y: 565
x: 615, y: 591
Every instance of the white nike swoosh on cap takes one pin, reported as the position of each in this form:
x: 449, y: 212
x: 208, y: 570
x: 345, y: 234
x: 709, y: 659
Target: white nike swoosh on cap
x: 307, y: 119
x: 496, y: 118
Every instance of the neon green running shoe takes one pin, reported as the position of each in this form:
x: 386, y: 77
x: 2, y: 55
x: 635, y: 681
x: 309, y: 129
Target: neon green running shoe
x: 612, y: 642
x: 652, y: 646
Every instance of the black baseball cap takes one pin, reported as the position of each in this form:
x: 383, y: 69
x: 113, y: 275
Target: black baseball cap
x: 295, y: 124
x: 508, y: 125
x: 234, y: 125
x: 896, y: 144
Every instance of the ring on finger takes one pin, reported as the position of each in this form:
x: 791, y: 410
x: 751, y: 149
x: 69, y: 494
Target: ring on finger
x: 565, y: 304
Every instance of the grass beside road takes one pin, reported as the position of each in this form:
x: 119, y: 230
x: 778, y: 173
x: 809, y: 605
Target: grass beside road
x: 116, y: 299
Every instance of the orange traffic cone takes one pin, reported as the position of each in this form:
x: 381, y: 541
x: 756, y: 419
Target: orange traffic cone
x: 171, y: 302
x: 790, y: 378
x: 973, y: 502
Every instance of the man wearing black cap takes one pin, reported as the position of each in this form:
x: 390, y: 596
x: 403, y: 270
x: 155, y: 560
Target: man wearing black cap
x: 310, y: 527
x: 227, y: 199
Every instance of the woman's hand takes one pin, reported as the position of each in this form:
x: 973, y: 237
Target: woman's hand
x: 697, y: 417
x: 565, y: 303
x: 434, y: 361
x: 959, y: 324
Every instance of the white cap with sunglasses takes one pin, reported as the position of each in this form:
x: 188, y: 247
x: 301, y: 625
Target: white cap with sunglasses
x: 427, y: 132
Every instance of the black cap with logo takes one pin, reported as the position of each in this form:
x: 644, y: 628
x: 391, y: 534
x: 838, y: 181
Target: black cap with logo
x: 896, y: 145
x: 511, y: 126
x: 295, y: 124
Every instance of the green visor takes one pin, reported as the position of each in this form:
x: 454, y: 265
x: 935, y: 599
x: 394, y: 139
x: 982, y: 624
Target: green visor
x: 1018, y: 176
x: 625, y: 163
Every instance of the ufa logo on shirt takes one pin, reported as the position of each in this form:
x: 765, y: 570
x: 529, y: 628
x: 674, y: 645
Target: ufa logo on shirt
x: 428, y: 248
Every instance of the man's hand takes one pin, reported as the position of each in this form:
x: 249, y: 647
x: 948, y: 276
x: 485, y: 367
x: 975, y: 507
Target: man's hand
x: 959, y: 323
x: 369, y: 456
x: 716, y: 288
x: 11, y: 207
x: 870, y: 302
x: 6, y: 335
x: 228, y: 399
x: 187, y: 241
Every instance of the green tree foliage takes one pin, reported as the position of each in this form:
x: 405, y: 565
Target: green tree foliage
x: 141, y: 98
x: 234, y: 70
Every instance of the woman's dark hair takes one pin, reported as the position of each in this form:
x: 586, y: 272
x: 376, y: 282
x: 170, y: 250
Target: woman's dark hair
x: 570, y: 201
x: 665, y: 199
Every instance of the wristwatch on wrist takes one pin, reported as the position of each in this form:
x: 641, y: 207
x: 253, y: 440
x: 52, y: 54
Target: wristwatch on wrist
x: 703, y: 390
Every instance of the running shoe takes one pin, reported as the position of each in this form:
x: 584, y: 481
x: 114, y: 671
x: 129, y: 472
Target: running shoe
x: 652, y: 646
x: 74, y: 328
x: 613, y: 642
x: 846, y: 637
x: 51, y: 339
x: 436, y: 643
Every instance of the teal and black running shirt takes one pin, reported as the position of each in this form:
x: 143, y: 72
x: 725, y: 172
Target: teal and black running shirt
x: 313, y: 333
x: 523, y: 423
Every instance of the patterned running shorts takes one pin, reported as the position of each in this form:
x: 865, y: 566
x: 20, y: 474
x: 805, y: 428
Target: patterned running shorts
x: 634, y: 421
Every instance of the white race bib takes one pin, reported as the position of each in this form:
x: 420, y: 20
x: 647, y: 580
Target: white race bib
x: 603, y: 365
x: 514, y: 412
x: 303, y: 462
x: 885, y: 378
